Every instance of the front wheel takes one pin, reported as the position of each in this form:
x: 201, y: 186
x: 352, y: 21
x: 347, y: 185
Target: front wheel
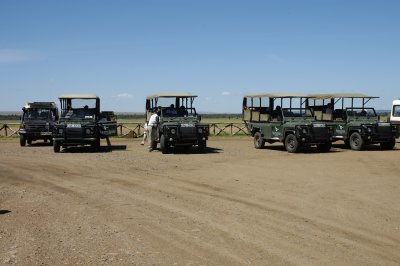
x: 258, y: 140
x: 56, y: 146
x: 164, y: 146
x: 356, y: 141
x: 292, y: 145
x: 22, y: 140
x: 388, y: 145
x: 202, y: 145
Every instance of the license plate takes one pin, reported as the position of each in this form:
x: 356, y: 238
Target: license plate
x: 74, y: 125
x: 187, y: 125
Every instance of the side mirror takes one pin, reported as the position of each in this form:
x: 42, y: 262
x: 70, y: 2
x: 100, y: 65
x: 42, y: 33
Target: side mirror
x: 199, y: 117
x: 23, y: 109
x: 20, y: 117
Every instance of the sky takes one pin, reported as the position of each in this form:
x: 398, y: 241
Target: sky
x: 123, y: 50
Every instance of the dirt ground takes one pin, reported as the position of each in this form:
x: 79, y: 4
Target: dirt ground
x: 233, y: 205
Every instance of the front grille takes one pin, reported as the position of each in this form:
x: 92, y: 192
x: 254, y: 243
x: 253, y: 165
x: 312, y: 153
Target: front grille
x: 74, y: 133
x: 188, y: 132
x: 35, y: 128
x: 320, y: 132
x: 384, y: 130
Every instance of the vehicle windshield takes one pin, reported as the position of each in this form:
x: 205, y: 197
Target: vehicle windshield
x: 361, y: 112
x: 80, y: 109
x: 396, y: 111
x: 38, y: 114
x: 296, y: 112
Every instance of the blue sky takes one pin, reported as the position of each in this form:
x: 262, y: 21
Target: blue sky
x: 218, y: 49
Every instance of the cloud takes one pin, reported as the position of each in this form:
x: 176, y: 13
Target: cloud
x: 124, y: 95
x: 8, y: 56
x: 226, y: 93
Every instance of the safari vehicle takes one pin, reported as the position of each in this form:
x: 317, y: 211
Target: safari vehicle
x: 179, y: 124
x: 268, y: 121
x: 37, y: 122
x: 395, y: 114
x: 355, y: 124
x: 82, y: 123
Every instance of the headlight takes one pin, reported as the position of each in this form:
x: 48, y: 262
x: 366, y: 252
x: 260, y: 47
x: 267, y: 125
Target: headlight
x: 89, y: 131
x: 60, y: 131
x: 200, y: 130
x: 173, y: 131
x: 369, y: 130
x: 304, y: 130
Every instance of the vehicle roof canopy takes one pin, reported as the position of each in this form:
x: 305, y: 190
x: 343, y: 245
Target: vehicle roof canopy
x: 78, y: 96
x: 277, y: 95
x: 340, y: 95
x: 44, y: 105
x: 171, y: 95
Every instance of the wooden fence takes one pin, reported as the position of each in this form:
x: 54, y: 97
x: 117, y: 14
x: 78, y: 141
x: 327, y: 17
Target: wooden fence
x: 135, y: 130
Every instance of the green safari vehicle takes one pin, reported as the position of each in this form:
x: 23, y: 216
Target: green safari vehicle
x: 179, y: 124
x: 283, y: 117
x: 355, y: 124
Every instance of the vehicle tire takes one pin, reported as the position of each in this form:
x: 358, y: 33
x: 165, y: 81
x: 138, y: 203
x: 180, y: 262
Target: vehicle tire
x: 356, y: 141
x: 164, y: 146
x: 259, y: 141
x: 56, y: 146
x: 388, y: 145
x: 324, y: 147
x: 29, y: 141
x: 292, y: 145
x: 22, y: 140
x: 96, y: 144
x: 202, y: 145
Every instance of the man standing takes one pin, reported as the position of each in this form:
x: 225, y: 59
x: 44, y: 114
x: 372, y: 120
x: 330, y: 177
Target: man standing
x: 152, y: 129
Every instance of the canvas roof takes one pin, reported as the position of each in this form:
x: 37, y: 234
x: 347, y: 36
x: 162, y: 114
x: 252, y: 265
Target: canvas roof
x: 278, y: 95
x: 340, y: 95
x: 78, y: 96
x: 171, y: 95
x: 41, y: 105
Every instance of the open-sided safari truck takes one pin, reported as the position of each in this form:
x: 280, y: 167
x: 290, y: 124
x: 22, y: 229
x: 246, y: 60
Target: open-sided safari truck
x: 82, y: 123
x: 355, y: 124
x: 281, y: 117
x: 37, y: 122
x: 179, y: 124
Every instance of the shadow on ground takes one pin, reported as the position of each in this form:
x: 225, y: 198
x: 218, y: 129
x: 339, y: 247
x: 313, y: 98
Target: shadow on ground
x: 4, y: 212
x: 191, y: 150
x: 88, y: 149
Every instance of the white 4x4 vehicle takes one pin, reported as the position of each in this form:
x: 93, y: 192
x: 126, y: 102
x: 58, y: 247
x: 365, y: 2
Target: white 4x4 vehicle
x: 395, y: 114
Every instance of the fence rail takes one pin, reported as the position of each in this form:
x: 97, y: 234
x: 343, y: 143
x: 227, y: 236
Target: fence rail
x: 135, y: 130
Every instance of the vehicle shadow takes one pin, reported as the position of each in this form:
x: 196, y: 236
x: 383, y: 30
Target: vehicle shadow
x: 88, y: 149
x: 40, y: 144
x: 303, y: 150
x: 372, y: 147
x: 4, y: 212
x: 192, y: 150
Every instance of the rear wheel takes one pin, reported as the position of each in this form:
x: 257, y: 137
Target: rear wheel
x: 292, y: 145
x: 388, y: 145
x: 356, y: 141
x: 56, y: 146
x: 164, y: 146
x: 202, y: 145
x: 259, y: 141
x: 22, y: 140
x: 324, y: 147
